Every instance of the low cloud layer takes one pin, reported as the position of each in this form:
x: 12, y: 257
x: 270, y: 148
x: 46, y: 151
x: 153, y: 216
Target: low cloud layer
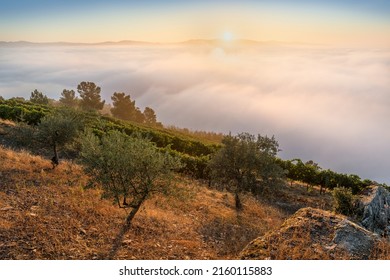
x: 328, y: 105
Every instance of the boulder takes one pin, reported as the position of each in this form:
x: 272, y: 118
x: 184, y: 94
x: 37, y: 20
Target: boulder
x: 313, y: 234
x: 354, y: 239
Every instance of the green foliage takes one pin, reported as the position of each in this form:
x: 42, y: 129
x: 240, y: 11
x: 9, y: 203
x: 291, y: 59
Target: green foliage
x: 343, y: 201
x: 68, y: 98
x: 194, y: 166
x: 126, y: 167
x: 125, y: 109
x: 6, y: 112
x: 194, y: 153
x: 90, y: 96
x: 39, y: 98
x: 161, y: 137
x: 22, y: 111
x: 60, y: 126
x: 17, y: 99
x: 246, y: 163
x: 211, y: 136
x: 23, y: 136
x: 150, y: 116
x: 311, y: 174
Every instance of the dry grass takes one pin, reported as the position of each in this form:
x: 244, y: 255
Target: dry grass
x: 296, y: 196
x: 303, y: 236
x: 381, y: 250
x: 308, y: 235
x: 47, y: 214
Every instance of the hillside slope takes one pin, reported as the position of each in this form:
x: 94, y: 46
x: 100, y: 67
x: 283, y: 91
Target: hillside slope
x: 47, y: 214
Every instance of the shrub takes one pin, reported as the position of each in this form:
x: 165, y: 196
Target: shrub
x: 343, y: 201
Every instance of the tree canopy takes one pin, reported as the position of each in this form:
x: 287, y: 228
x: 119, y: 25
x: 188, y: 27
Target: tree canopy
x: 124, y: 108
x: 39, y: 98
x: 68, y: 98
x: 59, y: 128
x: 90, y: 96
x: 246, y: 163
x: 150, y: 116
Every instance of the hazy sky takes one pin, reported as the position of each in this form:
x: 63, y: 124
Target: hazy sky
x: 328, y: 102
x: 333, y: 21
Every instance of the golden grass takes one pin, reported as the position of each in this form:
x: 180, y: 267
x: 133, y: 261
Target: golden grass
x: 308, y: 235
x: 47, y: 214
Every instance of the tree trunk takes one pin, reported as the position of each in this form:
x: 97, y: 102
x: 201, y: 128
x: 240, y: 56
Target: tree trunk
x: 55, y: 159
x: 125, y: 228
x: 238, y: 202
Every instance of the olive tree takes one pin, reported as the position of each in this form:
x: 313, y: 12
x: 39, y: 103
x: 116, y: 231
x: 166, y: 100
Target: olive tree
x: 129, y: 170
x: 246, y: 163
x: 58, y: 129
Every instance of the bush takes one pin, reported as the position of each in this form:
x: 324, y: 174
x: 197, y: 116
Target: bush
x: 343, y: 201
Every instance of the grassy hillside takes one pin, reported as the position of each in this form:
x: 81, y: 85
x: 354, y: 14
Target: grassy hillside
x: 47, y: 214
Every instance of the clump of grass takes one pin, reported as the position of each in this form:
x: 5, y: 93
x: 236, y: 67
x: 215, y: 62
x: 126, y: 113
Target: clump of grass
x: 228, y: 237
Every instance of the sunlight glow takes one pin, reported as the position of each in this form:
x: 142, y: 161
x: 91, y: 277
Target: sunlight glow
x: 227, y: 36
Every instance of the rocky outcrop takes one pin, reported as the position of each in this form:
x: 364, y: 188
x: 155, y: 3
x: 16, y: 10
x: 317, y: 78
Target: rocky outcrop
x: 355, y: 240
x: 374, y: 210
x: 318, y: 234
x: 313, y: 234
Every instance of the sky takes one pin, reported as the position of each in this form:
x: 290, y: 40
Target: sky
x: 324, y: 92
x: 339, y: 22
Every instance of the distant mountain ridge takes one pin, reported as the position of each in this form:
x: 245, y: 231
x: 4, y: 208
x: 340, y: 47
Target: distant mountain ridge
x: 193, y: 42
x: 27, y: 43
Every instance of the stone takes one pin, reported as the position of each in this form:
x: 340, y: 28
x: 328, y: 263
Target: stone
x: 356, y: 240
x: 313, y: 234
x: 374, y: 207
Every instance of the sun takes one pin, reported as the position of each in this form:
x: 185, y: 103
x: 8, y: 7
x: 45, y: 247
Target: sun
x: 227, y: 36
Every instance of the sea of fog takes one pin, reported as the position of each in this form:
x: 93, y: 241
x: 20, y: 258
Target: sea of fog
x: 321, y: 103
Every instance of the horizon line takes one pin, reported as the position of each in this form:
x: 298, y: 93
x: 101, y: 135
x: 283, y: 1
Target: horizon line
x: 128, y: 41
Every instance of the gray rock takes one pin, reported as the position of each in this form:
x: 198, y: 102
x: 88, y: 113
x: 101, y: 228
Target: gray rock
x: 375, y: 209
x: 319, y: 234
x: 356, y: 240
